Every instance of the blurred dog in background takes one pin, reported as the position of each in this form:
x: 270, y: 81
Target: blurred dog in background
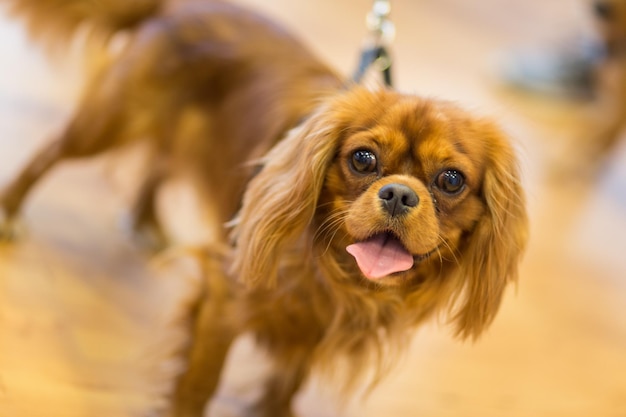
x: 609, y: 106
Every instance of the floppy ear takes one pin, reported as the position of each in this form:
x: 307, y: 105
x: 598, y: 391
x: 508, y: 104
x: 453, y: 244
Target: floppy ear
x: 280, y: 201
x: 490, y: 260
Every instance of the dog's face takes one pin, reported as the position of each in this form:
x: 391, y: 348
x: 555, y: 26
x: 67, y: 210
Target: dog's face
x: 406, y: 184
x: 400, y: 192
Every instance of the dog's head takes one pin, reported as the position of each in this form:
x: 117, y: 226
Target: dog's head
x: 402, y: 193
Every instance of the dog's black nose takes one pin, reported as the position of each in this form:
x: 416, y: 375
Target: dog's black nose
x: 397, y: 199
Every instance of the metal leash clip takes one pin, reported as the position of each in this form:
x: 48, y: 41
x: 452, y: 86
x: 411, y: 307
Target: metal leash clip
x: 381, y: 34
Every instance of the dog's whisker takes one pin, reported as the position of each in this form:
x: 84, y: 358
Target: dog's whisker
x: 332, y: 222
x: 335, y: 214
x: 330, y: 241
x: 452, y: 251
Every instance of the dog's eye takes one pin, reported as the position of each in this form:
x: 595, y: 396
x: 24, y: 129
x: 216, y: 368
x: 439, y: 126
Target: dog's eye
x: 364, y: 161
x: 450, y: 181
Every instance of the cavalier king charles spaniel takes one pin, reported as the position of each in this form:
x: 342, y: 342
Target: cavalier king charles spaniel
x: 355, y: 214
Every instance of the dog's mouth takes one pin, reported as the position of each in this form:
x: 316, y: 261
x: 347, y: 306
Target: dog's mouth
x: 381, y: 255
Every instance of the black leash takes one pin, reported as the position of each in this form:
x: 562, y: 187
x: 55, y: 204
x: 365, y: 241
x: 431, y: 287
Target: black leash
x: 375, y: 52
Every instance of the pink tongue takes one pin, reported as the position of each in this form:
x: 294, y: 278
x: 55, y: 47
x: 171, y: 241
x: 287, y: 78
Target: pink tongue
x: 380, y: 256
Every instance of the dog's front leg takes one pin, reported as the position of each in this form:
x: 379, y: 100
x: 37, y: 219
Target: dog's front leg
x: 213, y: 333
x: 290, y: 370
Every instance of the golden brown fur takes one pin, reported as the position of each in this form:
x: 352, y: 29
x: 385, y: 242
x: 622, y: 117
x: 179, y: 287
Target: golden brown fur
x: 423, y: 175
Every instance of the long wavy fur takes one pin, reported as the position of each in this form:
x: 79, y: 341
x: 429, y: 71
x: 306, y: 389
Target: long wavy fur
x: 490, y: 260
x: 276, y: 215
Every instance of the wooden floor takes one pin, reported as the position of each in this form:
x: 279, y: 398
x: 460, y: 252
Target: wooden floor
x: 87, y: 321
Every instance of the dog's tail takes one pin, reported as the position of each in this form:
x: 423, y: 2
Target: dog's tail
x: 55, y: 22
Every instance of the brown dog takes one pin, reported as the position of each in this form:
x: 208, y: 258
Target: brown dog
x: 367, y: 213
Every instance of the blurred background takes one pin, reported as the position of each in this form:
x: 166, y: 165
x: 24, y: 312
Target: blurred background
x: 86, y: 323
